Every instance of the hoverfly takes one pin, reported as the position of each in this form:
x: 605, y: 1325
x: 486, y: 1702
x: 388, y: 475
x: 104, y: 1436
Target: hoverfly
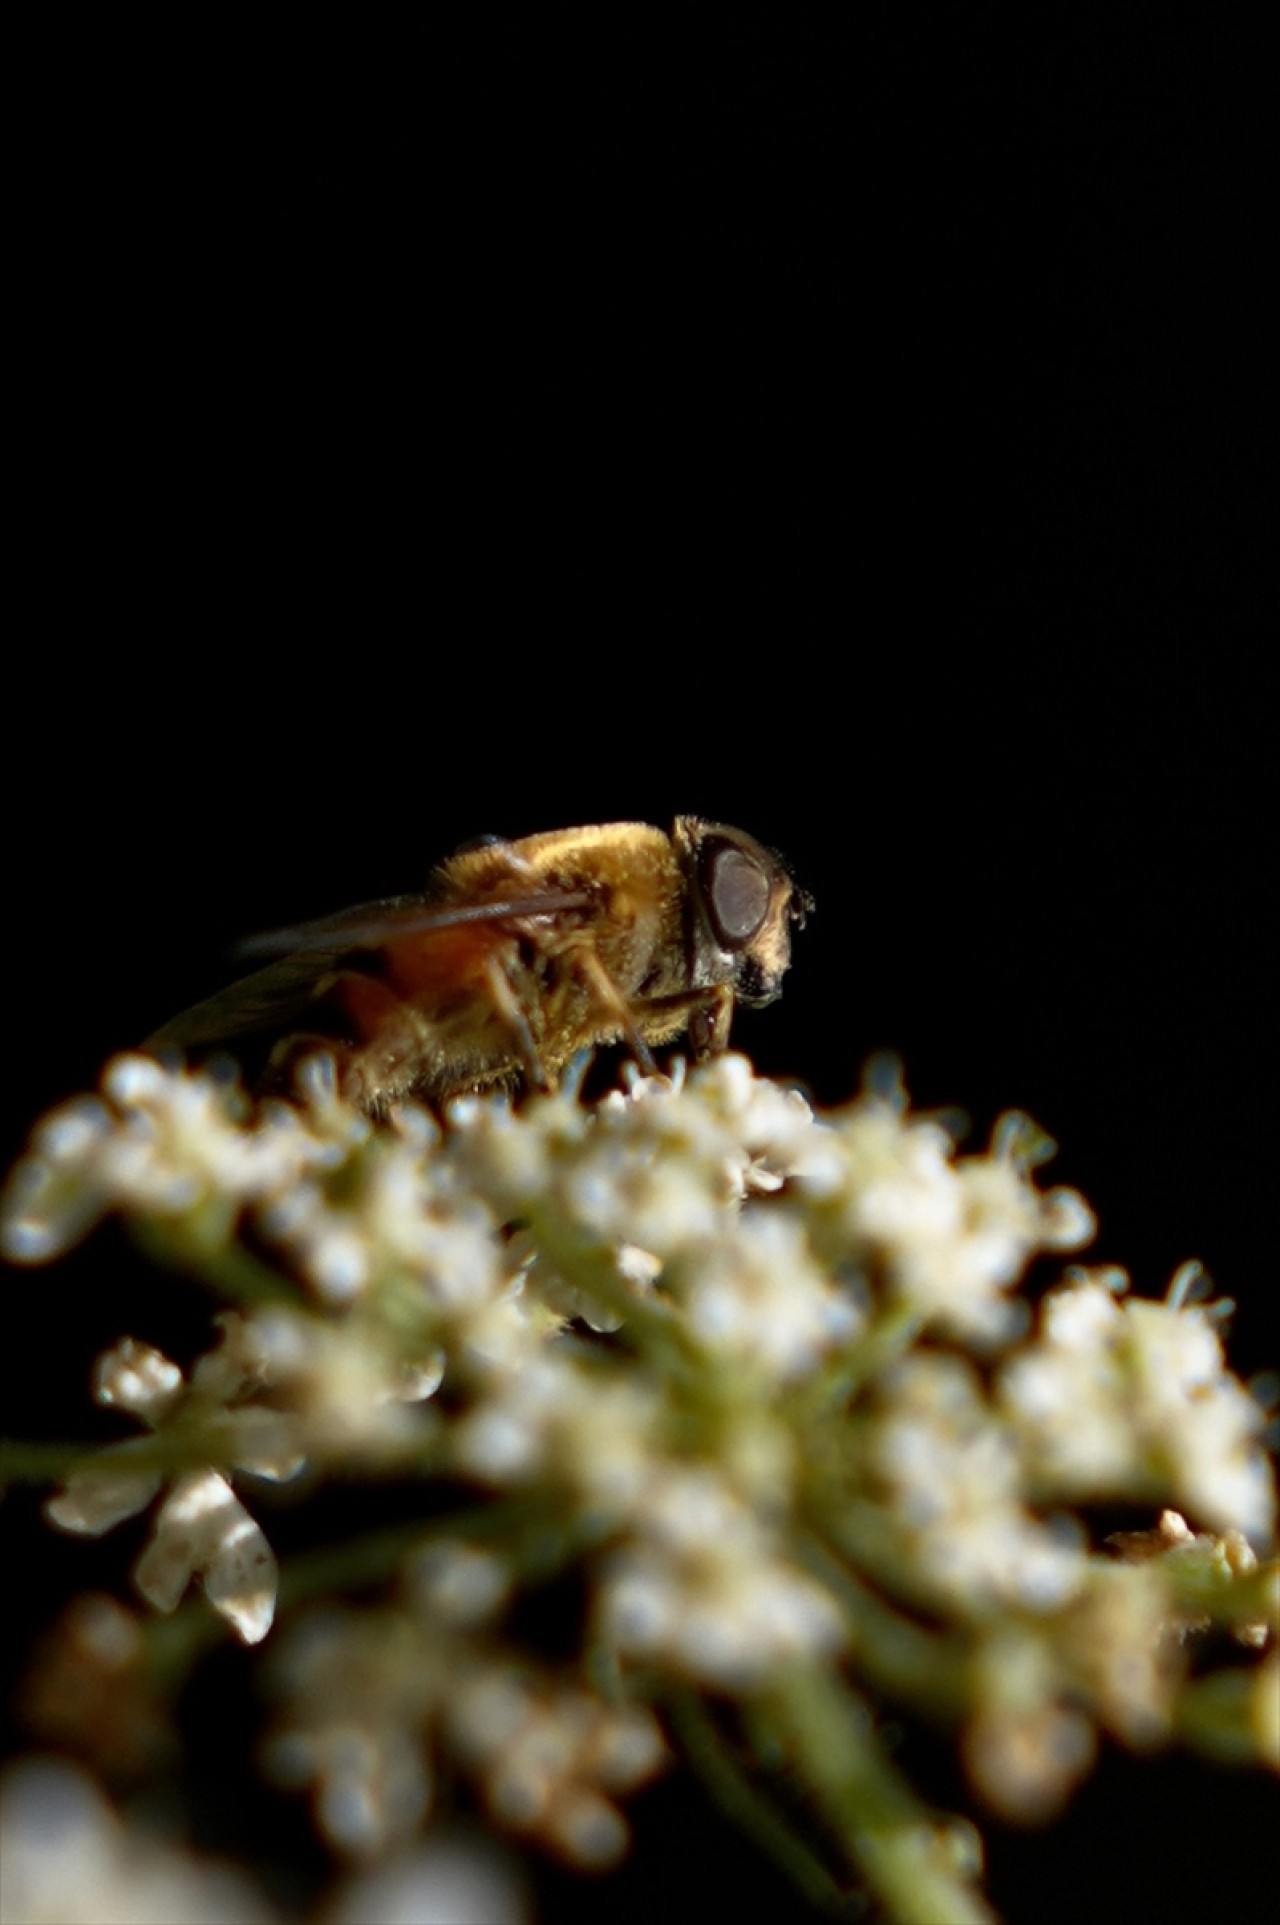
x: 517, y: 956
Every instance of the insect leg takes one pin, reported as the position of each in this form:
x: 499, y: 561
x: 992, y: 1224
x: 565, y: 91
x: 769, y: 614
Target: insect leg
x: 605, y: 991
x: 381, y: 1040
x: 507, y: 1003
x: 704, y: 1013
x: 709, y: 1022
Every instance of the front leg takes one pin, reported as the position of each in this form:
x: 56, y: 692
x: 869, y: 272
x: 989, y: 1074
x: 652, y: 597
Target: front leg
x: 705, y: 1014
x: 709, y: 1023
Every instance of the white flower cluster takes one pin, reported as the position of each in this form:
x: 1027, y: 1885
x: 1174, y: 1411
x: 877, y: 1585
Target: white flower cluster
x: 366, y: 1696
x: 743, y: 1365
x: 160, y: 1144
x: 1120, y: 1397
x: 954, y: 1507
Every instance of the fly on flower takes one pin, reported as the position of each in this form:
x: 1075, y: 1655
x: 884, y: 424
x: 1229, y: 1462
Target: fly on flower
x: 517, y: 956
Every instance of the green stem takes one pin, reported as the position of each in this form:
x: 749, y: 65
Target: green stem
x: 23, y: 1462
x: 205, y: 1248
x: 891, y: 1840
x: 835, y: 1388
x: 1218, y: 1717
x: 534, y: 1545
x: 925, y: 1671
x: 591, y: 1268
x: 716, y: 1763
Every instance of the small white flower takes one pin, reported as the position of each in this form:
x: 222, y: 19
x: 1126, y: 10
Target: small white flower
x: 700, y: 1586
x: 201, y: 1530
x: 547, y: 1757
x: 459, y: 1583
x: 756, y: 1292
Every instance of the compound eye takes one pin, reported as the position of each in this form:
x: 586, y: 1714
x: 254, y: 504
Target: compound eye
x: 737, y: 896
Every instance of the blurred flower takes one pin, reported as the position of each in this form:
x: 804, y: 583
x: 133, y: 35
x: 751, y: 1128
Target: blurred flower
x: 155, y: 1142
x: 702, y: 1584
x: 68, y: 1860
x: 366, y: 1699
x: 358, y: 1691
x: 452, y: 1880
x: 1117, y: 1397
x: 89, y: 1691
x: 549, y: 1760
x: 952, y: 1483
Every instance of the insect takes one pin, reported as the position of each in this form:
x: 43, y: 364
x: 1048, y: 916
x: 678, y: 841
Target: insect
x: 517, y: 956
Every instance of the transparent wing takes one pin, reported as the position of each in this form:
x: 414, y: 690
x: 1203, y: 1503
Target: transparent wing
x: 271, y: 999
x: 371, y: 924
x: 283, y: 993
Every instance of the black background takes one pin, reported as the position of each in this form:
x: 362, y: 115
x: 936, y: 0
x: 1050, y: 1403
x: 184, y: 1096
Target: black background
x: 852, y: 435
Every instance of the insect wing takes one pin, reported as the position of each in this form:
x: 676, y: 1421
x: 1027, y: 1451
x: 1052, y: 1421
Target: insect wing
x: 271, y: 999
x: 282, y: 995
x: 372, y: 925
